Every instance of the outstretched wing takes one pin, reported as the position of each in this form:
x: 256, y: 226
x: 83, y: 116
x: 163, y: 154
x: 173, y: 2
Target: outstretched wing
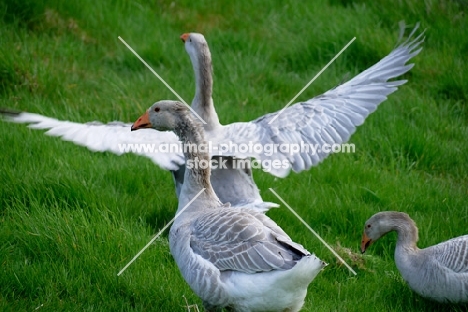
x: 243, y: 240
x: 319, y: 125
x: 114, y: 137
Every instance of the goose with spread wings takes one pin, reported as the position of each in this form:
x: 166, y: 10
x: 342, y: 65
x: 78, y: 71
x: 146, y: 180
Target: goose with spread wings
x: 328, y: 119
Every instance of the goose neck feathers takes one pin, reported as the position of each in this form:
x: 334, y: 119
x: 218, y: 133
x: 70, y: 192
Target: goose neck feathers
x: 200, y: 56
x: 198, y: 171
x: 175, y: 116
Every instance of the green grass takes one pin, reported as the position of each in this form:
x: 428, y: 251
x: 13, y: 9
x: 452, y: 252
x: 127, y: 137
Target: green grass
x: 70, y: 219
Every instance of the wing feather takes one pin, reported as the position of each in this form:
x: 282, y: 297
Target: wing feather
x: 453, y: 254
x: 330, y: 118
x: 114, y: 137
x: 243, y: 240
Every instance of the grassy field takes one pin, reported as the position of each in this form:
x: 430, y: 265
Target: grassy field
x: 70, y: 219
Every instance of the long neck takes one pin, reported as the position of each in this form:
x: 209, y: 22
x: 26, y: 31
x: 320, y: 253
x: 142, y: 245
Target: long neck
x: 407, y: 233
x: 203, y: 102
x: 197, y: 172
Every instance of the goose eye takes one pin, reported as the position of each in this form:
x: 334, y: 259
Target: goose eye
x: 157, y: 109
x: 368, y: 226
x: 190, y: 39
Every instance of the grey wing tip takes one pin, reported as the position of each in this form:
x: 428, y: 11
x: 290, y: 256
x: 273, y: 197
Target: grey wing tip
x: 94, y: 123
x: 402, y: 26
x: 117, y: 123
x: 410, y: 42
x: 9, y: 112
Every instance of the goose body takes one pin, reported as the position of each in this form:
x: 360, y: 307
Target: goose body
x: 439, y: 272
x: 235, y: 258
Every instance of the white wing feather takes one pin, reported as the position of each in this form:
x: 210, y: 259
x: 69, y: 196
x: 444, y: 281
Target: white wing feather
x: 114, y: 137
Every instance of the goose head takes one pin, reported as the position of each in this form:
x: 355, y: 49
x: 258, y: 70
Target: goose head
x: 162, y: 116
x: 195, y: 43
x: 380, y: 224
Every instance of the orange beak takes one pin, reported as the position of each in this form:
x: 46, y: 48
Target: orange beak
x: 365, y: 242
x: 184, y: 37
x: 142, y: 122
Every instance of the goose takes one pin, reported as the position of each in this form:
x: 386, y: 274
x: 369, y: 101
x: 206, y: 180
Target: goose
x: 439, y: 272
x: 235, y: 258
x: 231, y: 183
x: 327, y: 119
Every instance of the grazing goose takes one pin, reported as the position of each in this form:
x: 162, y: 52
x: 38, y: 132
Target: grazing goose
x: 330, y: 118
x: 234, y: 258
x: 438, y: 272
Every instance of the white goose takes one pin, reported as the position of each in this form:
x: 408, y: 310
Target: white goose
x: 330, y: 118
x: 438, y: 272
x: 234, y: 258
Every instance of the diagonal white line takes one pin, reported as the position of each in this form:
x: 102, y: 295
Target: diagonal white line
x: 162, y: 80
x: 313, y: 79
x: 159, y: 233
x: 313, y: 232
